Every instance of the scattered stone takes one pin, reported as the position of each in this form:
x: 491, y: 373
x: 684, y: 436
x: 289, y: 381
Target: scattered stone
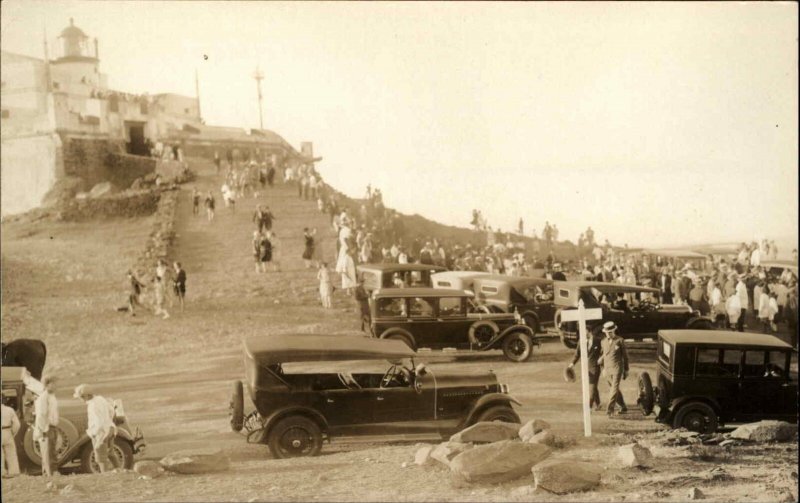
x: 522, y: 491
x: 486, y: 432
x: 695, y: 494
x: 193, y: 461
x: 404, y: 464
x: 725, y: 443
x: 532, y: 427
x: 101, y: 189
x: 688, y: 434
x: 544, y: 437
x: 563, y: 476
x: 446, y: 451
x: 148, y: 468
x: 423, y: 455
x: 498, y: 461
x: 661, y: 494
x: 252, y: 500
x: 634, y: 454
x: 70, y: 489
x: 766, y: 431
x: 712, y: 439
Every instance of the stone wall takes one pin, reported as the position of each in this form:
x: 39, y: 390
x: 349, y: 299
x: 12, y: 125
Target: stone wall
x: 159, y: 243
x: 98, y: 160
x: 124, y: 204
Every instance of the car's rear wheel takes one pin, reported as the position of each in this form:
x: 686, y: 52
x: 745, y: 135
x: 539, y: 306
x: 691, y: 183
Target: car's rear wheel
x: 702, y: 325
x: 295, y: 436
x: 646, y: 397
x: 502, y: 413
x: 407, y: 340
x: 696, y: 416
x: 237, y: 406
x: 517, y: 347
x: 120, y: 454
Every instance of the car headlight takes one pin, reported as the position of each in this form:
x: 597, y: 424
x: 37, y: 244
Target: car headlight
x: 504, y: 388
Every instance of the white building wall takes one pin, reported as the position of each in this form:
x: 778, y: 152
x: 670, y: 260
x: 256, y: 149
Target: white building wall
x: 29, y: 171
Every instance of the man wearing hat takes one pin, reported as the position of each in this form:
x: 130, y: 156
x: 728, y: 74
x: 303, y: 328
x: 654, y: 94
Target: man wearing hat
x: 592, y: 357
x: 101, y: 428
x: 614, y: 361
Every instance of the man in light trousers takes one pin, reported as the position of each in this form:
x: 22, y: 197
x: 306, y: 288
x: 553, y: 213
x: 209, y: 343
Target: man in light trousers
x: 101, y: 428
x: 45, y: 409
x: 614, y: 361
x: 9, y: 462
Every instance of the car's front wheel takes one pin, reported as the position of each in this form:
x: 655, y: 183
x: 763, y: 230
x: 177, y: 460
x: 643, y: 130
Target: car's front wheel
x: 502, y: 413
x: 517, y: 347
x: 120, y: 454
x: 696, y: 416
x: 293, y: 437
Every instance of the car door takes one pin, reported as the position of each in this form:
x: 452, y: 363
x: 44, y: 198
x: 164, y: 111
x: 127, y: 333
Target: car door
x: 422, y: 323
x: 452, y: 323
x: 405, y: 409
x: 761, y: 391
x: 347, y: 408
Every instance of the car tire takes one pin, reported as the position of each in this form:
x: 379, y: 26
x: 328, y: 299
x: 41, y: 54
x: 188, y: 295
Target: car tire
x: 237, y: 406
x: 646, y: 396
x: 66, y: 436
x: 406, y: 339
x: 503, y: 413
x: 121, y: 450
x: 696, y: 416
x: 293, y: 437
x: 661, y: 395
x: 517, y: 347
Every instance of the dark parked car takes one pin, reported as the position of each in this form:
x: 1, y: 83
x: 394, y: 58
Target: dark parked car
x: 707, y: 378
x: 296, y: 411
x: 440, y: 318
x: 72, y: 445
x: 380, y: 275
x: 532, y: 298
x: 637, y: 312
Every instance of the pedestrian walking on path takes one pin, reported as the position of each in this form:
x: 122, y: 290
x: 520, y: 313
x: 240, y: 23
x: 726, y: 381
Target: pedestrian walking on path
x: 325, y: 285
x: 179, y: 284
x: 594, y: 349
x: 134, y: 293
x: 45, y: 410
x: 159, y: 291
x: 614, y: 361
x: 308, y: 251
x: 210, y: 203
x: 101, y: 428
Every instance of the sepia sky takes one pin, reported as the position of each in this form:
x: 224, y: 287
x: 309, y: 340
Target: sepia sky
x: 657, y: 124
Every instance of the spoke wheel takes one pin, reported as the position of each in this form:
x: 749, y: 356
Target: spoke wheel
x: 696, y: 416
x: 295, y: 436
x: 483, y: 334
x: 517, y: 347
x: 120, y: 454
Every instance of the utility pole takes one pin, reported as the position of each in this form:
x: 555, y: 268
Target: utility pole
x: 48, y: 85
x: 259, y: 77
x: 197, y: 94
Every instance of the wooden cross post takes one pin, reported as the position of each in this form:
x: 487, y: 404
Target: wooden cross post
x: 581, y: 315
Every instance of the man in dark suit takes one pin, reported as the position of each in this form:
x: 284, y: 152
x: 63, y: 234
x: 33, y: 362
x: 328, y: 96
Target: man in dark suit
x: 665, y: 285
x: 558, y: 274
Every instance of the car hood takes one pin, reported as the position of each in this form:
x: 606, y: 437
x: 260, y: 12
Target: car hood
x: 483, y: 380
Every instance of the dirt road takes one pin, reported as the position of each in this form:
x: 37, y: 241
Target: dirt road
x: 62, y: 283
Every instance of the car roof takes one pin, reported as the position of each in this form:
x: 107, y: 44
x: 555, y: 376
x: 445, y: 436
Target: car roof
x: 605, y: 287
x: 272, y: 349
x: 401, y: 267
x: 421, y: 292
x: 513, y: 280
x: 678, y: 253
x: 722, y: 337
x: 458, y: 274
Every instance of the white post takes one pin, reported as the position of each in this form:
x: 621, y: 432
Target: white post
x: 587, y: 419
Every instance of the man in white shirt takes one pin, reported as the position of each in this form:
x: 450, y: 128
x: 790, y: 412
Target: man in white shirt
x: 741, y: 292
x: 9, y: 462
x: 45, y: 409
x: 101, y: 428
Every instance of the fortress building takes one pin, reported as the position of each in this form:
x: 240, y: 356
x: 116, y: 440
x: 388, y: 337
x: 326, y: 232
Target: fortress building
x: 60, y: 119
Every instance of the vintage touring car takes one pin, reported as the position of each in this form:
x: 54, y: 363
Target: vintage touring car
x: 381, y: 275
x: 296, y: 411
x: 72, y: 445
x: 439, y: 318
x: 635, y: 309
x: 532, y: 298
x: 706, y: 378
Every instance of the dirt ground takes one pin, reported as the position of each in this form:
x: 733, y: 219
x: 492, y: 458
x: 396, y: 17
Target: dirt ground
x: 63, y: 282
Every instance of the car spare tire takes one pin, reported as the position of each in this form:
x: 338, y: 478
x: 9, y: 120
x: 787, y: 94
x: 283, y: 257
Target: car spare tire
x: 646, y: 398
x: 237, y: 406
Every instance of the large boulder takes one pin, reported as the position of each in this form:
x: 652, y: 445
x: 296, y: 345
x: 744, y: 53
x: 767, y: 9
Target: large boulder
x: 423, y: 455
x: 148, y: 468
x: 544, y: 437
x: 565, y: 476
x: 486, y: 432
x: 532, y: 427
x: 633, y: 455
x: 498, y: 461
x: 766, y: 431
x: 193, y: 461
x: 101, y: 189
x: 446, y: 451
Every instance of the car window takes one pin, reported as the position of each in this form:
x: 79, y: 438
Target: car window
x: 450, y: 306
x: 776, y: 364
x: 370, y: 279
x: 731, y: 359
x: 443, y: 283
x: 793, y: 366
x: 390, y: 307
x: 712, y: 363
x: 421, y: 307
x: 754, y: 364
x: 665, y: 352
x: 414, y: 278
x: 489, y: 289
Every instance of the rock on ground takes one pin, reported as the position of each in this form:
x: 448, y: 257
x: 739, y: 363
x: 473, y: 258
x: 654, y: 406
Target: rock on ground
x: 498, y: 461
x: 446, y: 451
x: 544, y: 437
x: 533, y: 427
x: 423, y: 455
x: 766, y: 431
x: 101, y: 189
x: 564, y: 476
x: 634, y: 455
x: 148, y: 468
x: 484, y: 431
x: 695, y: 494
x: 196, y: 461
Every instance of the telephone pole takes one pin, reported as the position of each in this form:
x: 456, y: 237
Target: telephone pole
x: 259, y: 77
x: 197, y: 93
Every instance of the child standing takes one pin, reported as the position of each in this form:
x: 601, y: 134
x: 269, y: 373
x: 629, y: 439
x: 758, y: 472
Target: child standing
x: 325, y: 285
x: 195, y: 202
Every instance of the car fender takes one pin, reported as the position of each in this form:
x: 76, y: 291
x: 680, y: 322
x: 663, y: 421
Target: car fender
x: 509, y: 330
x: 695, y: 319
x: 486, y: 401
x: 398, y: 331
x: 75, y: 449
x: 534, y: 316
x: 279, y: 414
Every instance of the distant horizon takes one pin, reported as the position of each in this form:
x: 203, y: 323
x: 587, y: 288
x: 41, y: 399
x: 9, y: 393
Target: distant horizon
x: 655, y: 123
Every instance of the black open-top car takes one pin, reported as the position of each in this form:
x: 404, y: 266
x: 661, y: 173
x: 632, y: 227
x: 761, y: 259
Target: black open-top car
x: 706, y: 378
x: 295, y: 411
